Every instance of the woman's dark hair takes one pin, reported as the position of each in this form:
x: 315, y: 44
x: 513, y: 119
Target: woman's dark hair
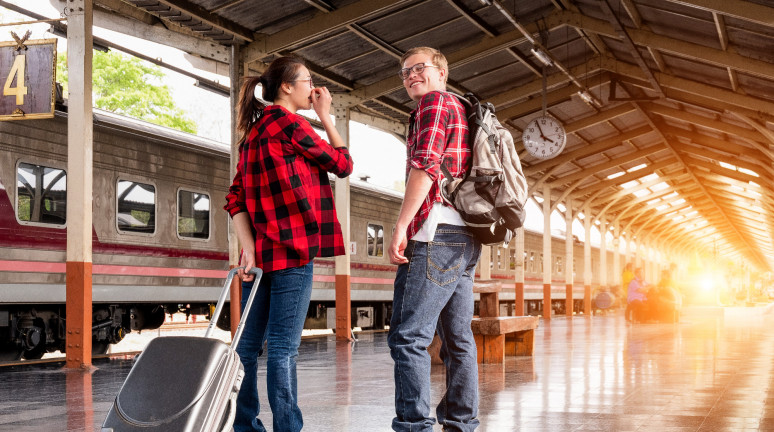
x: 283, y: 69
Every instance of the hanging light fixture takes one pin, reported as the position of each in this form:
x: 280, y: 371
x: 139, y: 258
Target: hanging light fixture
x: 542, y: 56
x: 588, y: 98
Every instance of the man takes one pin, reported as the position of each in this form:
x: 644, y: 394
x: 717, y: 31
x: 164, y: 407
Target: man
x: 436, y: 258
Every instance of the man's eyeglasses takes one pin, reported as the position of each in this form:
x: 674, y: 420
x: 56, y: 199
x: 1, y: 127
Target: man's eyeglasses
x: 311, y: 84
x: 417, y: 69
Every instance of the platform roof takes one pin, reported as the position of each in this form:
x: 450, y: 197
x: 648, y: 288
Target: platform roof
x: 674, y: 144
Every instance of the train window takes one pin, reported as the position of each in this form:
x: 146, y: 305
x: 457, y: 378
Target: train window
x: 41, y: 194
x: 193, y: 215
x: 375, y: 239
x: 136, y: 207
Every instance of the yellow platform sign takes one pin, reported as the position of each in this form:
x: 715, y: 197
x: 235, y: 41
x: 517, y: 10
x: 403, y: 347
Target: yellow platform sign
x: 27, y: 79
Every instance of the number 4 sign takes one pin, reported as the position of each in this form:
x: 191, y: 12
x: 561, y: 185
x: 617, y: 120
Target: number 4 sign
x: 27, y: 74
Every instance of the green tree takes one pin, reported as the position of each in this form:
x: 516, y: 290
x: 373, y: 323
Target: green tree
x: 128, y: 86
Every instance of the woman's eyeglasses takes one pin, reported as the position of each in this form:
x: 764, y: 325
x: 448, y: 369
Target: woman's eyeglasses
x: 417, y: 69
x: 311, y: 84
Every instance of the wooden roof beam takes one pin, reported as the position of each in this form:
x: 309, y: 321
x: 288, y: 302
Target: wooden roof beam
x: 599, y: 146
x: 615, y: 209
x: 645, y: 38
x: 743, y: 10
x: 590, y: 170
x: 316, y: 26
x: 474, y: 19
x: 598, y: 188
x: 703, y: 121
x: 754, y: 252
x: 623, y: 35
x: 202, y: 14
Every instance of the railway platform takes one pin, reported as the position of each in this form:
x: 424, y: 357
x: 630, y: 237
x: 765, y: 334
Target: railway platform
x: 712, y: 371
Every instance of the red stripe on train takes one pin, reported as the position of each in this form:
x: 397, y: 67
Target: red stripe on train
x: 114, y: 270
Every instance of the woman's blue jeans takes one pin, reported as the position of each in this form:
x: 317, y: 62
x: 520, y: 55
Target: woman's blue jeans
x: 276, y: 316
x: 435, y: 290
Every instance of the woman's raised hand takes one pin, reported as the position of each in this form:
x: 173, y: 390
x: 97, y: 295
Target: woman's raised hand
x: 321, y: 101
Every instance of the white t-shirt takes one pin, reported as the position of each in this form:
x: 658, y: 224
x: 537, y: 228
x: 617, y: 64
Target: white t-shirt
x: 438, y: 214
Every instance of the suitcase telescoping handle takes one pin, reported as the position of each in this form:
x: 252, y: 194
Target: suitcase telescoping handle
x: 222, y: 299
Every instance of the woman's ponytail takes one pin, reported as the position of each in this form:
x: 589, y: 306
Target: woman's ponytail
x: 250, y: 107
x: 283, y: 69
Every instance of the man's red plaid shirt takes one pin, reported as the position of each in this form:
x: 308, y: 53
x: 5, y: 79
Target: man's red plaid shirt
x: 282, y: 182
x: 438, y: 133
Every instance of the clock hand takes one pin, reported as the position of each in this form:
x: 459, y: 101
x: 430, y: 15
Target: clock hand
x: 542, y: 135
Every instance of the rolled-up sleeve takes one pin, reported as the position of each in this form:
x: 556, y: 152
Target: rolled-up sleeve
x: 235, y: 200
x: 308, y: 144
x: 430, y: 135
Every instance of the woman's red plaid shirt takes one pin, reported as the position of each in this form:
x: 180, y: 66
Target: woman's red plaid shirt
x: 282, y: 182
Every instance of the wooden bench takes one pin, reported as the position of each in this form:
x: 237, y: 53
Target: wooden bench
x: 495, y: 336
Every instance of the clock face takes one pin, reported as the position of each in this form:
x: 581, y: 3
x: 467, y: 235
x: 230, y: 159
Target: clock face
x: 544, y: 137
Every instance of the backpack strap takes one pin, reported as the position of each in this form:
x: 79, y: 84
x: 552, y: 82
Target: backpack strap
x: 467, y: 104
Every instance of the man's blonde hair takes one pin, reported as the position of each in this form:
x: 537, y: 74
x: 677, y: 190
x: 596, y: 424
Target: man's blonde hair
x: 436, y: 57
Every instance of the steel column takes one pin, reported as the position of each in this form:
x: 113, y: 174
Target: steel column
x: 80, y: 151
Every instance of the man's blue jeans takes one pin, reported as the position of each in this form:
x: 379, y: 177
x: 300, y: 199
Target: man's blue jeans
x: 277, y: 316
x: 435, y: 290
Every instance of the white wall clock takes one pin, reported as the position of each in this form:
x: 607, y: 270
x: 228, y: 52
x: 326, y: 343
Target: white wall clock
x: 544, y: 137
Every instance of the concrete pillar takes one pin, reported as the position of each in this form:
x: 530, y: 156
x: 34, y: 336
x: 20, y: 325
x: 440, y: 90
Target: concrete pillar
x: 587, y: 275
x: 568, y: 254
x: 519, y: 276
x: 617, y: 254
x: 626, y: 251
x: 603, y: 255
x: 485, y: 263
x: 80, y: 151
x: 235, y: 75
x: 546, y: 252
x: 343, y: 272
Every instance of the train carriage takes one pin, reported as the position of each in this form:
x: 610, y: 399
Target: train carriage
x: 160, y: 237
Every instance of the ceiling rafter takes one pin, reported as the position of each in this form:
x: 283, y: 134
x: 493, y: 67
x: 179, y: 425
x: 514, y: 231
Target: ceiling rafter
x: 702, y: 95
x: 686, y: 194
x: 590, y: 170
x: 199, y: 13
x: 682, y: 48
x: 651, y: 212
x: 474, y: 19
x: 599, y: 146
x: 743, y: 10
x: 612, y: 199
x: 614, y: 208
x: 623, y: 35
x: 599, y: 188
x: 754, y: 253
x: 316, y: 26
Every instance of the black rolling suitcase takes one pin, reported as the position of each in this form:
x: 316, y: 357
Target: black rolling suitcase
x: 183, y: 383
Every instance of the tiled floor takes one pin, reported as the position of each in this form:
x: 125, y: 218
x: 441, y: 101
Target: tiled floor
x: 714, y: 371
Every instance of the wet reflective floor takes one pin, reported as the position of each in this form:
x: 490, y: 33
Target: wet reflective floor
x: 713, y: 371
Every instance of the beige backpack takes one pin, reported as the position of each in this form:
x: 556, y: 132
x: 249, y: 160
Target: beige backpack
x: 491, y: 197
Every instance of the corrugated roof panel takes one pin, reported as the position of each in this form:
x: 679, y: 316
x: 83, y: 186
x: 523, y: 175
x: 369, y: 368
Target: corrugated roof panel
x: 701, y: 72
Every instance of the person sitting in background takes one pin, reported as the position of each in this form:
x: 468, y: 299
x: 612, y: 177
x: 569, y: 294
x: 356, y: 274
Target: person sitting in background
x: 636, y: 298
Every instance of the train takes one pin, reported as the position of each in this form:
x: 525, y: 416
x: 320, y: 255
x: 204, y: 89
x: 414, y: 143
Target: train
x: 160, y: 237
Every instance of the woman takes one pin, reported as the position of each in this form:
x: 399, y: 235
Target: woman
x: 281, y: 204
